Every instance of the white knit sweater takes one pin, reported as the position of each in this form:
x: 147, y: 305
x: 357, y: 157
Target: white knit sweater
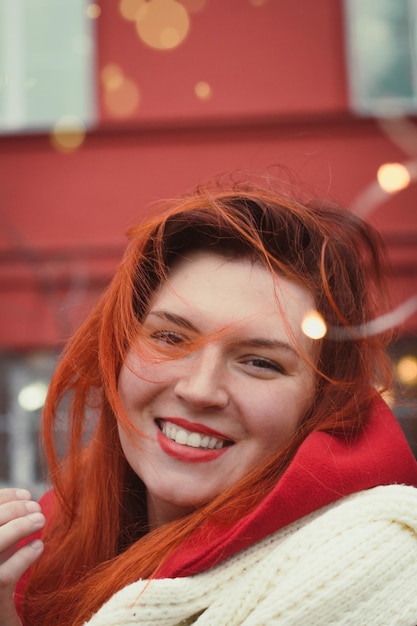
x: 351, y: 563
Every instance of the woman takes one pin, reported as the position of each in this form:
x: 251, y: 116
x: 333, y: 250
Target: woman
x: 220, y: 465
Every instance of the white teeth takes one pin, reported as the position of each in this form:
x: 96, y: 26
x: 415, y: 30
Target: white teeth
x: 181, y: 437
x: 204, y: 441
x: 194, y: 440
x: 189, y: 438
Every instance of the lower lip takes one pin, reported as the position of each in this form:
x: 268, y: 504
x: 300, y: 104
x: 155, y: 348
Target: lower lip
x: 188, y: 454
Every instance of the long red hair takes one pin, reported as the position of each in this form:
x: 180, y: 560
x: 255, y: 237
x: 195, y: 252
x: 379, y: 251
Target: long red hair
x: 97, y: 541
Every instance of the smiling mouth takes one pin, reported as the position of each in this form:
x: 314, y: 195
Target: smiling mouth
x: 190, y: 438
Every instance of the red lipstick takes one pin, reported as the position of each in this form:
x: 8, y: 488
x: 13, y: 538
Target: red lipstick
x: 187, y: 454
x: 196, y: 428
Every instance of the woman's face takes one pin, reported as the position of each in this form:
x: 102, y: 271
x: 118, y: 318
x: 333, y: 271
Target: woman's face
x: 210, y: 414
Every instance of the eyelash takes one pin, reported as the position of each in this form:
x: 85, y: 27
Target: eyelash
x: 262, y: 363
x: 168, y: 336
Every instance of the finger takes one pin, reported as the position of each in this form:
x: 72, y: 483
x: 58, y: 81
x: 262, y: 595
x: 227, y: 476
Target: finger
x: 14, y: 568
x: 20, y: 528
x: 9, y: 494
x: 12, y: 510
x: 9, y: 616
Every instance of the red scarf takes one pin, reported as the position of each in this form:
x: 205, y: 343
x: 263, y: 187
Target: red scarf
x: 324, y: 469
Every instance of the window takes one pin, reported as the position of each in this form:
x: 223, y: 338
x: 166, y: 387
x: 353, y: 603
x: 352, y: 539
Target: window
x: 46, y: 64
x: 24, y: 381
x: 381, y: 55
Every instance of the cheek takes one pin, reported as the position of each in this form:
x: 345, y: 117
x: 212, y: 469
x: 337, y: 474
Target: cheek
x: 135, y: 380
x: 279, y: 413
x: 139, y: 373
x: 125, y: 385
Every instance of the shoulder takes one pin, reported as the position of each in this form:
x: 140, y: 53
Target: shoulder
x: 376, y: 520
x: 393, y: 502
x: 352, y: 562
x: 394, y: 506
x: 355, y: 560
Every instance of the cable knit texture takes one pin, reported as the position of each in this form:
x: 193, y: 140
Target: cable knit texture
x: 353, y: 562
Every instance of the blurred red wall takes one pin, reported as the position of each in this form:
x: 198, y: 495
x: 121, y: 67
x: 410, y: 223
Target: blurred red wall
x: 279, y: 96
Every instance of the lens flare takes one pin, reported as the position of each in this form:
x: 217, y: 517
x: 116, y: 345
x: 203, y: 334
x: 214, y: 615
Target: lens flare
x: 393, y: 177
x: 379, y: 325
x: 32, y: 397
x: 313, y: 325
x: 407, y: 370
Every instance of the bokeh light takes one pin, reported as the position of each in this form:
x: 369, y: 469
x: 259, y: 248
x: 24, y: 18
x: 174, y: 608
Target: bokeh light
x: 407, y: 370
x: 68, y: 134
x: 313, y: 325
x: 193, y: 6
x: 93, y: 11
x: 393, y: 177
x: 203, y: 90
x: 129, y: 8
x: 111, y: 76
x: 32, y: 397
x: 121, y: 94
x: 162, y: 24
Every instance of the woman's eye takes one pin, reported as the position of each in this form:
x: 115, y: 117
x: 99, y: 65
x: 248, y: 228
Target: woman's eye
x: 168, y: 336
x: 265, y: 365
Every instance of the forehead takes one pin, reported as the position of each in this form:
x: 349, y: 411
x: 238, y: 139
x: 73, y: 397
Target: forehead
x: 217, y: 291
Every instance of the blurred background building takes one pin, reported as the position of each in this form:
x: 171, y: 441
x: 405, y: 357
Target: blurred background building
x: 108, y: 107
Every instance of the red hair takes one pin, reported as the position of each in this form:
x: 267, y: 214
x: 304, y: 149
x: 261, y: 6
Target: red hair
x: 96, y: 541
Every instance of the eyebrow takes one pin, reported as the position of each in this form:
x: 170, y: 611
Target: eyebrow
x: 250, y: 342
x: 260, y: 342
x: 175, y: 319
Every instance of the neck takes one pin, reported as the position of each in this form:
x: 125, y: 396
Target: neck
x: 161, y: 512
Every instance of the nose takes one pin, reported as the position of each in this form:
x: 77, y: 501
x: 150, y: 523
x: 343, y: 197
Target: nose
x: 201, y: 379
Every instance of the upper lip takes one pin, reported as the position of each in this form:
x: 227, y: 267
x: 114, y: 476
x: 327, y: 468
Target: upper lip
x: 195, y: 427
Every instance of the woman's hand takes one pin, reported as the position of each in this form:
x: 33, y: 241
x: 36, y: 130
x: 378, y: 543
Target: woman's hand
x: 20, y: 517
